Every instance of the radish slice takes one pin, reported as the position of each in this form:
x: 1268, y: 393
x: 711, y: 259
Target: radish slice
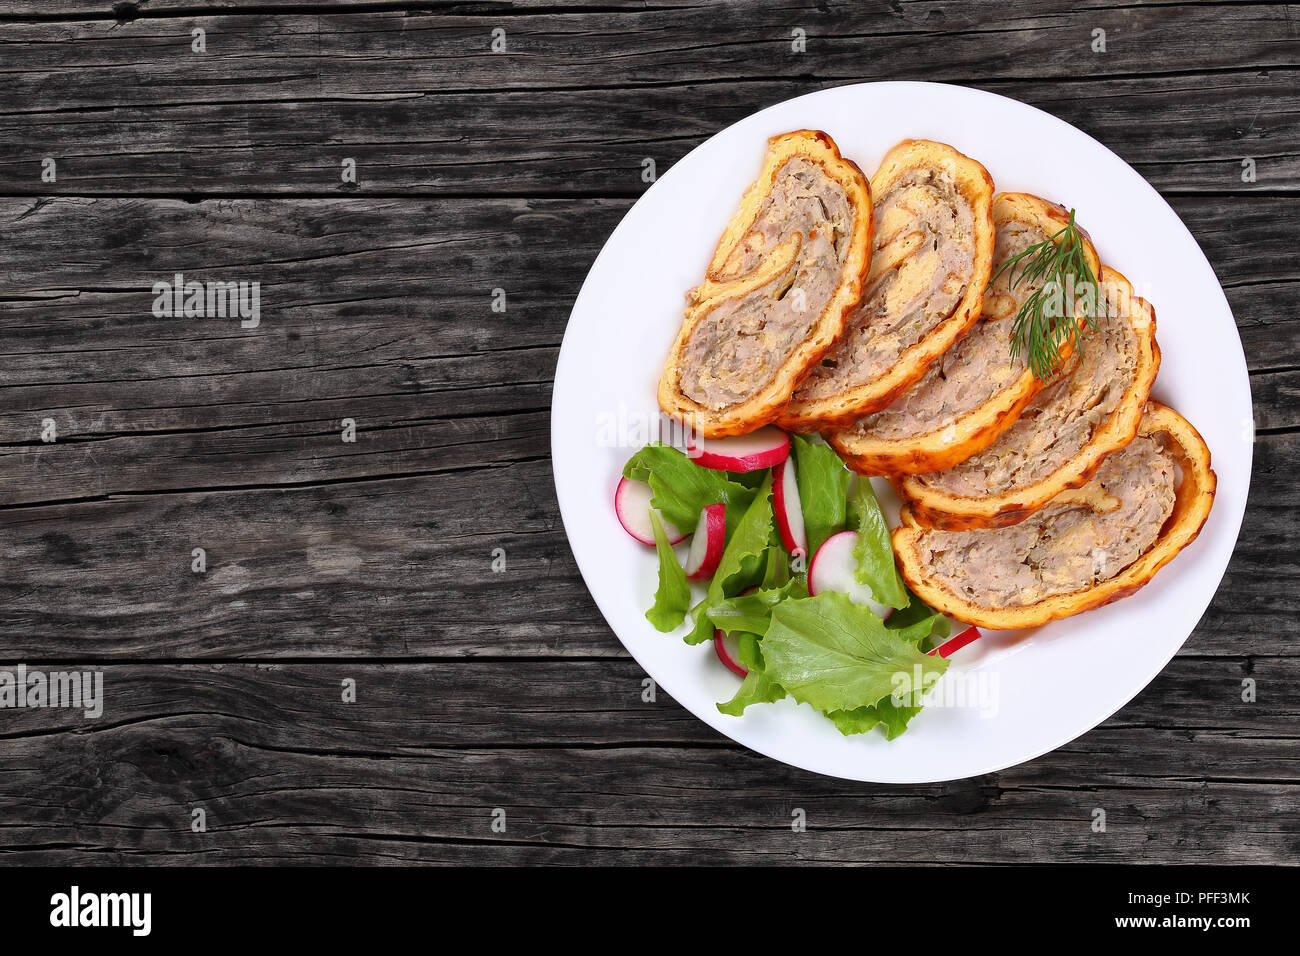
x: 789, y: 512
x: 834, y: 568
x: 951, y: 646
x: 632, y: 505
x: 728, y: 651
x: 707, y: 545
x: 764, y: 448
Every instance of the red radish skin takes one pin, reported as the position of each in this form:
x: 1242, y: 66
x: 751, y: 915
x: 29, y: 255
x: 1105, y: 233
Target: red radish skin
x: 952, y: 645
x: 708, y: 543
x: 724, y: 646
x: 632, y: 506
x: 834, y: 568
x: 765, y: 448
x: 789, y: 510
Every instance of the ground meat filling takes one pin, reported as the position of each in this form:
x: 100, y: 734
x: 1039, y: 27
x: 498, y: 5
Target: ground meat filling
x: 737, y: 348
x: 975, y: 369
x: 1061, y: 420
x: 1063, y: 548
x: 923, y: 254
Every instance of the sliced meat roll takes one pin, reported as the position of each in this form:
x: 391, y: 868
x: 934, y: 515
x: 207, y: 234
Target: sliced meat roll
x: 1062, y: 436
x: 1087, y: 547
x: 976, y: 390
x: 786, y: 272
x: 933, y: 252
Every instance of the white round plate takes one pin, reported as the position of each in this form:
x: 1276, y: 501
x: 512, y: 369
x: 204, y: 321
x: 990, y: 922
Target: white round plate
x: 1031, y: 691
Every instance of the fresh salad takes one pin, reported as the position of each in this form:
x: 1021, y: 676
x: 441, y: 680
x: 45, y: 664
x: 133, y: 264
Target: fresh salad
x: 841, y: 632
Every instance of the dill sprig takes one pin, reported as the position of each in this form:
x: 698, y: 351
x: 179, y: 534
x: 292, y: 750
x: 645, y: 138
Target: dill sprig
x: 1048, y: 319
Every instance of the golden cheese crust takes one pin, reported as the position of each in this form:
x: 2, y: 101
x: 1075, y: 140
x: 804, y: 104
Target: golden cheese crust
x: 974, y: 185
x: 728, y: 279
x: 1194, y: 497
x: 973, y: 431
x: 935, y: 507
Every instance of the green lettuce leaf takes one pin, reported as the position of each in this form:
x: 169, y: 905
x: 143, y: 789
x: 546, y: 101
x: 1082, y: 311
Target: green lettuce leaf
x: 833, y: 654
x: 876, y: 568
x: 752, y: 613
x: 674, y: 595
x: 893, y: 717
x: 757, y: 687
x: 823, y: 489
x: 896, y: 717
x: 856, y: 721
x: 743, y: 562
x: 681, y: 489
x: 921, y: 620
x: 777, y: 573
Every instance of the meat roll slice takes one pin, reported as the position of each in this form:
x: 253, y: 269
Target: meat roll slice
x: 977, y: 389
x: 1062, y: 436
x: 933, y: 252
x: 1087, y: 547
x: 785, y: 274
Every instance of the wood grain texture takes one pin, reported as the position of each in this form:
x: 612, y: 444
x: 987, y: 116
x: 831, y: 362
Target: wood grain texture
x: 422, y: 105
x: 585, y: 770
x: 481, y: 142
x: 371, y: 560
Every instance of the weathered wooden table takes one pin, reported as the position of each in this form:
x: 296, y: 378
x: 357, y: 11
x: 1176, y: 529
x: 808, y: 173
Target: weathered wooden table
x: 494, y: 147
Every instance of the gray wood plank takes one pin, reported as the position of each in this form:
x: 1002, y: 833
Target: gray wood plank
x: 413, y: 770
x: 176, y: 434
x: 386, y: 303
x: 401, y: 568
x: 1186, y: 134
x: 390, y: 568
x: 324, y: 56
